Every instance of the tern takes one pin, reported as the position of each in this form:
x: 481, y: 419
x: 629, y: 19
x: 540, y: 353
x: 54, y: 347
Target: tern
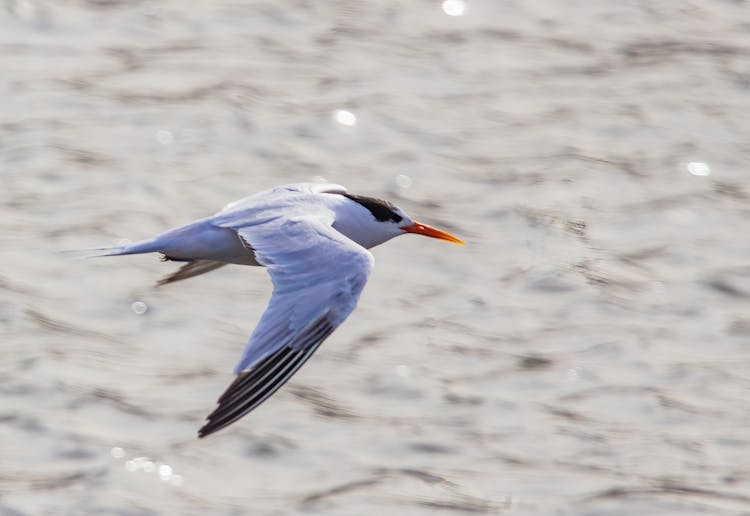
x: 313, y: 239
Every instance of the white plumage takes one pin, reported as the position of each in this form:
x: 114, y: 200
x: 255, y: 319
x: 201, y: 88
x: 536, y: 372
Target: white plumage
x: 313, y: 239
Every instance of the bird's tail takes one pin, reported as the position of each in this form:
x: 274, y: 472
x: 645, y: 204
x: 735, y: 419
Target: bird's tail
x: 144, y: 246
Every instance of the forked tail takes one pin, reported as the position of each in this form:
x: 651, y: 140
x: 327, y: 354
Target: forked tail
x: 144, y: 246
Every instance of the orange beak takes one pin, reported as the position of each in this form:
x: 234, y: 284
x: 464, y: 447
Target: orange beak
x: 424, y: 229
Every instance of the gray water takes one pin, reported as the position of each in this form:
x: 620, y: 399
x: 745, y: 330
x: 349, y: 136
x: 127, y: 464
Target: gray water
x: 587, y: 352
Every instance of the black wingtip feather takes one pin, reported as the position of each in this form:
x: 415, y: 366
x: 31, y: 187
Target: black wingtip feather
x: 251, y: 388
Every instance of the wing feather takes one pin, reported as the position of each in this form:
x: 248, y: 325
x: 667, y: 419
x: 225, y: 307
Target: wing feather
x: 318, y: 275
x: 253, y: 387
x: 189, y: 270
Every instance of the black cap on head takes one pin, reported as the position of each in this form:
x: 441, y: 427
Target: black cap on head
x: 381, y: 209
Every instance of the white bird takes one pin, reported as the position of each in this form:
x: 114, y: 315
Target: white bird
x: 313, y: 239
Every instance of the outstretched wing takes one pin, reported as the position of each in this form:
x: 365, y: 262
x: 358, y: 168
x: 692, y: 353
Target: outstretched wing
x: 189, y: 270
x: 260, y: 199
x: 318, y: 275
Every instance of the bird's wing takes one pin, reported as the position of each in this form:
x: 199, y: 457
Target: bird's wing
x: 318, y: 275
x: 190, y: 269
x: 269, y: 196
x: 313, y: 188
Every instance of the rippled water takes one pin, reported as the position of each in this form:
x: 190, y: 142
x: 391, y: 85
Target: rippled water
x: 588, y: 352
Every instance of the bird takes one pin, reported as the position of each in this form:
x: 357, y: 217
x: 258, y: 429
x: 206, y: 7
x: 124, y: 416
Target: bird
x: 313, y: 239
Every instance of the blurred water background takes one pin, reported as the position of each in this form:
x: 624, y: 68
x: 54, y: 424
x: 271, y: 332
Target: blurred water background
x: 588, y: 351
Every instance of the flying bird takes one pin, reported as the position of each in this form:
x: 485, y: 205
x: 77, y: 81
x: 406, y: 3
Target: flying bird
x: 313, y: 239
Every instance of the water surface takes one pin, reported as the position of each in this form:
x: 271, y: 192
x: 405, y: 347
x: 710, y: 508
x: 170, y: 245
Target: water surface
x: 587, y: 352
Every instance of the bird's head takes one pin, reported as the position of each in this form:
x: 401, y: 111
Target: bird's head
x: 371, y: 221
